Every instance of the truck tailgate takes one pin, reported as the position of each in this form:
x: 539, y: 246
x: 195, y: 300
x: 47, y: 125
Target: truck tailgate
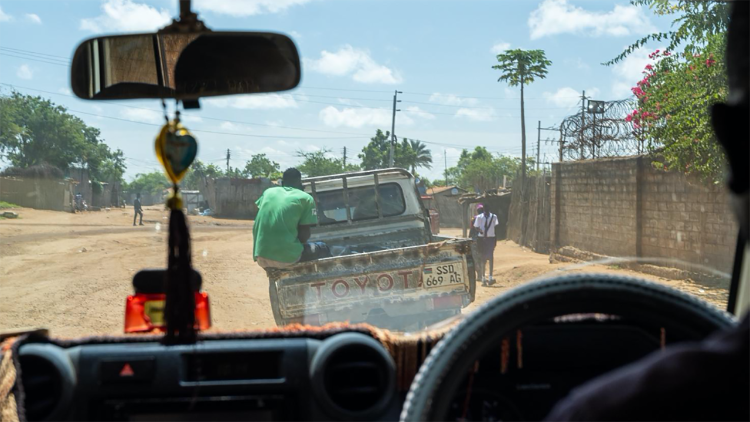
x: 369, y: 280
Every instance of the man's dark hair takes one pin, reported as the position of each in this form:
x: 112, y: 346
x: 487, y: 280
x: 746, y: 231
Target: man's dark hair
x: 292, y: 178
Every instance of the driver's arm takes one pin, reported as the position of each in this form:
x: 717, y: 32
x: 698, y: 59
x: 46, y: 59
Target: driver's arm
x: 691, y: 381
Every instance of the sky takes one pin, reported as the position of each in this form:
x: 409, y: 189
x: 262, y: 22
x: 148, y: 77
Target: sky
x: 355, y: 54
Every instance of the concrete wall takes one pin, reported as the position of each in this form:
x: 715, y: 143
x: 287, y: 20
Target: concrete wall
x: 235, y: 198
x: 43, y: 194
x: 626, y: 207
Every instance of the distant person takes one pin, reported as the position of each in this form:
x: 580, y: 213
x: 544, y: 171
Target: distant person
x: 282, y: 226
x: 485, y: 224
x: 137, y: 208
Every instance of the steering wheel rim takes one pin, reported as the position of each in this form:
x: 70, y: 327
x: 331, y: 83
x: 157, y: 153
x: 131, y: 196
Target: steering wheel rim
x: 628, y: 297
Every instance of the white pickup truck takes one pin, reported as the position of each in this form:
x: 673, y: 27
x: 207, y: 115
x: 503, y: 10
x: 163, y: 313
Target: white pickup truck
x: 387, y: 267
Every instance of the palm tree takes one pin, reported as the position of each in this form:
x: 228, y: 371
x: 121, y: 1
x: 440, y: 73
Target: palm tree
x: 522, y: 67
x: 423, y: 156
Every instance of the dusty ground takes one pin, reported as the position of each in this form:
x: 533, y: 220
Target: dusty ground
x: 71, y: 273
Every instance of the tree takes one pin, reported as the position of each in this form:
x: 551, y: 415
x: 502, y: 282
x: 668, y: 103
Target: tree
x: 319, y: 164
x: 198, y: 173
x: 673, y: 115
x: 261, y: 166
x: 479, y: 170
x: 519, y: 68
x: 153, y: 182
x: 422, y: 155
x: 696, y: 22
x: 680, y: 86
x: 35, y: 131
x: 376, y: 154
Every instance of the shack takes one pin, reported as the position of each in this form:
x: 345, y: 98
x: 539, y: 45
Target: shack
x: 445, y: 201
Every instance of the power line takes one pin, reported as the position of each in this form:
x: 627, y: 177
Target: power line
x: 34, y: 52
x: 33, y: 60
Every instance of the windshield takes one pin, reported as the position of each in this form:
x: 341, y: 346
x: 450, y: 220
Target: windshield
x: 424, y: 193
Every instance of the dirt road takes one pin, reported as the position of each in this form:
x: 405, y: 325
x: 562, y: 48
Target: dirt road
x: 71, y: 273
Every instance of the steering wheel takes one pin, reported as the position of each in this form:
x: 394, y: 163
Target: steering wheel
x: 438, y: 379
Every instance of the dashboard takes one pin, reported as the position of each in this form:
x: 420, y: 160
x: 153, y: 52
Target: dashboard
x: 347, y: 376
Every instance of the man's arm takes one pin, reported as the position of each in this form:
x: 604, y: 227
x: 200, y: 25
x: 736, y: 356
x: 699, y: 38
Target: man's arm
x: 303, y: 233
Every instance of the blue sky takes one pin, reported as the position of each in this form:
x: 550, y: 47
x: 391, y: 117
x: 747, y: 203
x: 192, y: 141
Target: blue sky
x: 355, y: 54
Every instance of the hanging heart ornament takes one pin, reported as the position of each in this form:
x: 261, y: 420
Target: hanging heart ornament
x: 176, y: 149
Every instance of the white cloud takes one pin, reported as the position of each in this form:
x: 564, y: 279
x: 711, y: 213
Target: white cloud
x: 554, y: 17
x: 295, y: 35
x: 190, y: 118
x: 499, y: 47
x: 450, y: 99
x: 255, y: 102
x: 359, y: 117
x: 628, y: 72
x: 244, y: 8
x: 33, y: 18
x: 275, y: 123
x: 355, y: 62
x: 477, y: 114
x: 4, y: 17
x: 568, y: 97
x: 24, y: 72
x: 418, y: 112
x: 126, y: 16
x: 65, y: 90
x: 142, y: 115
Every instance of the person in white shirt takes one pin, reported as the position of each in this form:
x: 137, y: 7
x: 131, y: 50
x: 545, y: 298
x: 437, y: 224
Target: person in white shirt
x: 485, y: 224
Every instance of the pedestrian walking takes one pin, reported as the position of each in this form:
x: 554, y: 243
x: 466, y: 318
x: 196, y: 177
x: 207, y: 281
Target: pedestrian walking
x: 137, y: 208
x: 485, y: 224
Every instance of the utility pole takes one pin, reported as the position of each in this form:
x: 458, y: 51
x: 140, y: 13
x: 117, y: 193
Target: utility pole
x: 583, y: 121
x: 562, y: 143
x: 228, y: 156
x: 344, y: 157
x: 445, y: 155
x: 393, y: 126
x: 538, y: 141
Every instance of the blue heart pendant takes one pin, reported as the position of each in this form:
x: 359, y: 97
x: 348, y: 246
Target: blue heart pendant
x: 180, y: 149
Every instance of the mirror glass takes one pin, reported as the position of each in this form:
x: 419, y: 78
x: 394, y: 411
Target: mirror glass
x: 184, y: 65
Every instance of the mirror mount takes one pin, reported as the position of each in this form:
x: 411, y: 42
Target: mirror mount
x: 188, y: 22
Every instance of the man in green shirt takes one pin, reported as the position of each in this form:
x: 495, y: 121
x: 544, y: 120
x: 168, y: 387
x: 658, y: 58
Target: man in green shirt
x: 282, y: 226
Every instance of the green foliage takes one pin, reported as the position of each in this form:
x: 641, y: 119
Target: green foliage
x: 674, y: 118
x: 319, y: 164
x: 153, y: 182
x: 197, y: 174
x: 261, y: 166
x: 480, y: 170
x: 407, y: 154
x: 35, y: 131
x: 4, y: 204
x: 696, y: 22
x: 521, y: 67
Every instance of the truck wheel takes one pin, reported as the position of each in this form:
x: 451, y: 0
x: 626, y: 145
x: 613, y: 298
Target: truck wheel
x: 274, y: 296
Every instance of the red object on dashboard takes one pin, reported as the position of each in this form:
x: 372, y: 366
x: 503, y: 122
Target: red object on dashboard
x: 144, y: 312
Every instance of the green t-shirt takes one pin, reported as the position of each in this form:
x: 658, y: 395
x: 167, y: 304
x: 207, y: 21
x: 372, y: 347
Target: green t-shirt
x: 280, y: 211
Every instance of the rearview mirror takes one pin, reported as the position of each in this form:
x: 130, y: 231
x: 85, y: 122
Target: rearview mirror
x: 184, y: 66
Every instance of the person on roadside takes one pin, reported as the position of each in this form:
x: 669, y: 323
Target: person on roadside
x: 137, y: 208
x: 282, y: 226
x: 485, y: 224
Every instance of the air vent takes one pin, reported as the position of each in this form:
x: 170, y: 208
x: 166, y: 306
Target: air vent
x: 42, y: 384
x: 353, y: 376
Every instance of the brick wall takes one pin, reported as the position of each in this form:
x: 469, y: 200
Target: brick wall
x: 610, y: 207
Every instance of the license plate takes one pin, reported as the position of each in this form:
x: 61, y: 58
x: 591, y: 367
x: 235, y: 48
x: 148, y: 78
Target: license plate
x: 439, y: 275
x: 154, y: 310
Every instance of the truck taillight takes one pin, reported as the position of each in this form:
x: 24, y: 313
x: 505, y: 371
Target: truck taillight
x: 144, y: 312
x: 442, y: 302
